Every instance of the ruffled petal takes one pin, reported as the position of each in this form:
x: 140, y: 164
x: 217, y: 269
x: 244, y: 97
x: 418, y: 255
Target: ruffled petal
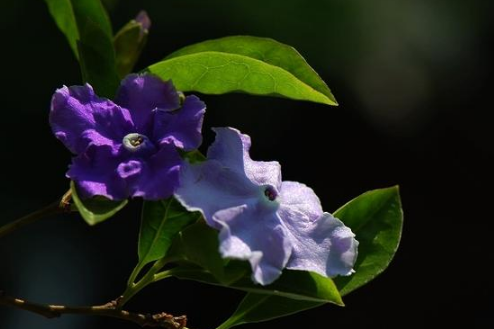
x: 141, y: 94
x: 231, y: 148
x: 254, y: 234
x: 300, y: 198
x: 158, y: 175
x: 94, y: 174
x: 181, y: 127
x: 77, y: 109
x: 210, y: 186
x: 325, y: 245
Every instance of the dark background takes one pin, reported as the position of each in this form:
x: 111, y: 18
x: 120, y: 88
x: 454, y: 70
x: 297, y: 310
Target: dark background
x: 413, y: 79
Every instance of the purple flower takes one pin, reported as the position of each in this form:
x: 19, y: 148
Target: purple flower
x: 272, y: 224
x: 127, y: 148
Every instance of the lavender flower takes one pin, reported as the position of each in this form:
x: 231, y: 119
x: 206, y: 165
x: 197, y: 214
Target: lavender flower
x: 272, y: 224
x: 127, y: 148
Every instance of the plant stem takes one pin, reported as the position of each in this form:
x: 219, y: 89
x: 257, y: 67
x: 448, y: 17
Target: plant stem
x: 160, y: 320
x: 52, y: 209
x: 150, y: 277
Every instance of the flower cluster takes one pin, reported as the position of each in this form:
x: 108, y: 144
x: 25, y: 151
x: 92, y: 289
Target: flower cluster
x: 129, y: 148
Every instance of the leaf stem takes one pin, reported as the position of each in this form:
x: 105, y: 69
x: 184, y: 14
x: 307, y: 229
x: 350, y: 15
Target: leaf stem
x: 159, y: 320
x: 147, y: 279
x: 52, y: 209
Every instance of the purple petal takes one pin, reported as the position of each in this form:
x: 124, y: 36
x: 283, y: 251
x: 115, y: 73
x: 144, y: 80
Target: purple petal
x: 77, y: 109
x: 181, y: 127
x: 209, y: 187
x: 158, y: 176
x: 325, y: 245
x: 231, y: 149
x: 141, y: 94
x: 94, y: 173
x: 255, y: 234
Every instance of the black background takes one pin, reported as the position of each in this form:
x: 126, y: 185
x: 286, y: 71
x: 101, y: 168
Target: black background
x: 413, y: 79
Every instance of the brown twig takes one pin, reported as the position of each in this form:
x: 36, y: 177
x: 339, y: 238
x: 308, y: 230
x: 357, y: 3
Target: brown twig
x: 160, y: 320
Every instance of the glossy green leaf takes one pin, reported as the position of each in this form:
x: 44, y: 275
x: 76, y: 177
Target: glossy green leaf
x: 376, y: 217
x: 97, y: 209
x: 268, y: 51
x: 160, y: 223
x: 129, y: 43
x: 213, y: 72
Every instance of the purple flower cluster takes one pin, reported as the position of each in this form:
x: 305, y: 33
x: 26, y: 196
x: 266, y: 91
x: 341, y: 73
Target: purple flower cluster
x: 129, y: 148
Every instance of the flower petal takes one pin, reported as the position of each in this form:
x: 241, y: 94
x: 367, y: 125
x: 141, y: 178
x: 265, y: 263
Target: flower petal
x: 141, y: 94
x: 181, y: 127
x: 231, y: 149
x: 254, y: 234
x: 325, y: 245
x: 94, y: 173
x: 301, y: 198
x: 76, y: 109
x: 158, y: 175
x: 209, y: 187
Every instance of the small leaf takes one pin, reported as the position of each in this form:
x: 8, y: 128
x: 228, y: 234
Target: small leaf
x: 376, y: 217
x: 95, y: 210
x: 129, y: 43
x: 161, y: 221
x: 266, y: 50
x: 213, y: 72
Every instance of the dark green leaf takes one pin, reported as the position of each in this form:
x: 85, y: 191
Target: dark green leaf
x: 194, y: 156
x: 88, y: 29
x: 161, y: 221
x: 198, y: 244
x: 71, y: 17
x: 97, y: 60
x: 129, y: 43
x: 216, y: 73
x: 258, y: 308
x: 266, y: 50
x: 95, y: 210
x: 376, y: 218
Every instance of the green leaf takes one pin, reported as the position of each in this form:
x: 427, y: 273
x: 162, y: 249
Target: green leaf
x: 97, y: 209
x: 258, y: 308
x: 63, y: 14
x: 129, y: 43
x: 268, y: 51
x: 161, y: 221
x: 97, y: 61
x: 88, y: 30
x: 71, y: 17
x: 198, y: 244
x: 213, y: 72
x: 376, y: 217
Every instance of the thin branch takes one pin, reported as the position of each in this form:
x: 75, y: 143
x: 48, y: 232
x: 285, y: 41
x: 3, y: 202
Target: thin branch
x: 60, y: 206
x: 159, y: 320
